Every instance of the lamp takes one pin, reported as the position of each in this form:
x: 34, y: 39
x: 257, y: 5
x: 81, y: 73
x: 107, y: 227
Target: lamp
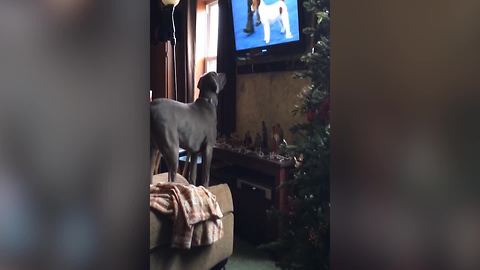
x: 170, y: 2
x: 168, y: 26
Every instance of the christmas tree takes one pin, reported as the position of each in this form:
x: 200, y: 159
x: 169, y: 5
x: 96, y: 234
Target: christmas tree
x: 304, y: 242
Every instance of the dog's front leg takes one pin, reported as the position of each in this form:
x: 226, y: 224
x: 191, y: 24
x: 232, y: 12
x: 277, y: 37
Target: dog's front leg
x: 193, y: 169
x: 266, y: 32
x: 172, y: 170
x: 171, y: 158
x: 282, y: 27
x: 185, y: 167
x: 206, y: 162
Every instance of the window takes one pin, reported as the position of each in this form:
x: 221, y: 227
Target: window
x: 206, y: 39
x: 212, y: 34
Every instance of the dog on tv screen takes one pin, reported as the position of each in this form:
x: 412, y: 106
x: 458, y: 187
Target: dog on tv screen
x: 259, y: 23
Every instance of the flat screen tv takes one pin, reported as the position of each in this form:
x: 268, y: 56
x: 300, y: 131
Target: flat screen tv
x: 264, y: 25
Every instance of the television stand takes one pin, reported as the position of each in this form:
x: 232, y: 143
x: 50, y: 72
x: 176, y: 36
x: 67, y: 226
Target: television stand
x: 255, y: 184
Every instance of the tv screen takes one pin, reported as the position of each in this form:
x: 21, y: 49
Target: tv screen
x: 261, y: 23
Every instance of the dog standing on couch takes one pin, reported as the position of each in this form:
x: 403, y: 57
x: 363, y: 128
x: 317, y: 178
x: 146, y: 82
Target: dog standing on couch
x: 270, y: 14
x: 191, y: 126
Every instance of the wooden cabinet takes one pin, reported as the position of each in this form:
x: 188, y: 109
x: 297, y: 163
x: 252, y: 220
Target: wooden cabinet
x: 255, y: 184
x: 161, y: 70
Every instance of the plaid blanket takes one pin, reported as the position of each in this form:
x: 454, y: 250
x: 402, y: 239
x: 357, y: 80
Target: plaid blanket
x: 194, y: 210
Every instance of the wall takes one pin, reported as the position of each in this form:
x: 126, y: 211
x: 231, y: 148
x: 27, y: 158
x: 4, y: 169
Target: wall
x: 269, y: 97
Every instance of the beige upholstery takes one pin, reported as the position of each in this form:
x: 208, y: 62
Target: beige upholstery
x: 162, y: 257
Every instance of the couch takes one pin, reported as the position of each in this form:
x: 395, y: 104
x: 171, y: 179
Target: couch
x: 163, y: 257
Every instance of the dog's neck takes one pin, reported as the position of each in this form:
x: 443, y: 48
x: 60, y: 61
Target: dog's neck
x: 211, y: 98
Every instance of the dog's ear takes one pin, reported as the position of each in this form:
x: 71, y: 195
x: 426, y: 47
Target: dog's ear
x: 221, y: 81
x: 199, y: 84
x: 208, y: 82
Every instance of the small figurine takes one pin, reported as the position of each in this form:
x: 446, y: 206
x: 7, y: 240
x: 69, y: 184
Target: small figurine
x: 258, y: 142
x: 248, y: 141
x: 275, y: 139
x: 264, y: 137
x: 221, y: 141
x: 236, y: 140
x: 282, y: 148
x: 280, y: 133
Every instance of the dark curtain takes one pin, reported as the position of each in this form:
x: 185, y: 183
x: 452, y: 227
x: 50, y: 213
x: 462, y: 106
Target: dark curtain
x: 226, y: 63
x: 155, y: 17
x: 185, y: 22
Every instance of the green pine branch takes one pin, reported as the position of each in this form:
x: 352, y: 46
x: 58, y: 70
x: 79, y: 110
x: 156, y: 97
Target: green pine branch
x: 304, y: 242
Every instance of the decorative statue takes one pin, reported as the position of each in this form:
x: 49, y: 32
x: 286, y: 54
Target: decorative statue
x: 275, y: 139
x: 280, y: 133
x: 248, y: 141
x: 258, y: 142
x: 264, y: 137
x: 282, y: 148
x: 236, y: 140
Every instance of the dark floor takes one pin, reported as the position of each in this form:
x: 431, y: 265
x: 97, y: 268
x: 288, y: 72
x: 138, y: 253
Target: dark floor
x: 247, y: 257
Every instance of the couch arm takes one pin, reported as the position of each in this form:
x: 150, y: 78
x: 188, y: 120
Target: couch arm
x: 161, y: 226
x: 224, y: 197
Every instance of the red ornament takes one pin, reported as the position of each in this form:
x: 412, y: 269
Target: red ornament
x: 324, y: 110
x: 313, y: 237
x: 310, y: 115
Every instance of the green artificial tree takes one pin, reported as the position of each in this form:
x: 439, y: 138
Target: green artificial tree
x: 304, y: 242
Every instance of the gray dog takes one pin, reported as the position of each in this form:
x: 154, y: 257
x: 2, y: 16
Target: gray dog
x: 191, y: 126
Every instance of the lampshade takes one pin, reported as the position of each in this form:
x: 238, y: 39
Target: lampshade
x: 170, y: 2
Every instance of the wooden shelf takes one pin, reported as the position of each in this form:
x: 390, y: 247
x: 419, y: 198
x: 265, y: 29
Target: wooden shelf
x: 255, y: 183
